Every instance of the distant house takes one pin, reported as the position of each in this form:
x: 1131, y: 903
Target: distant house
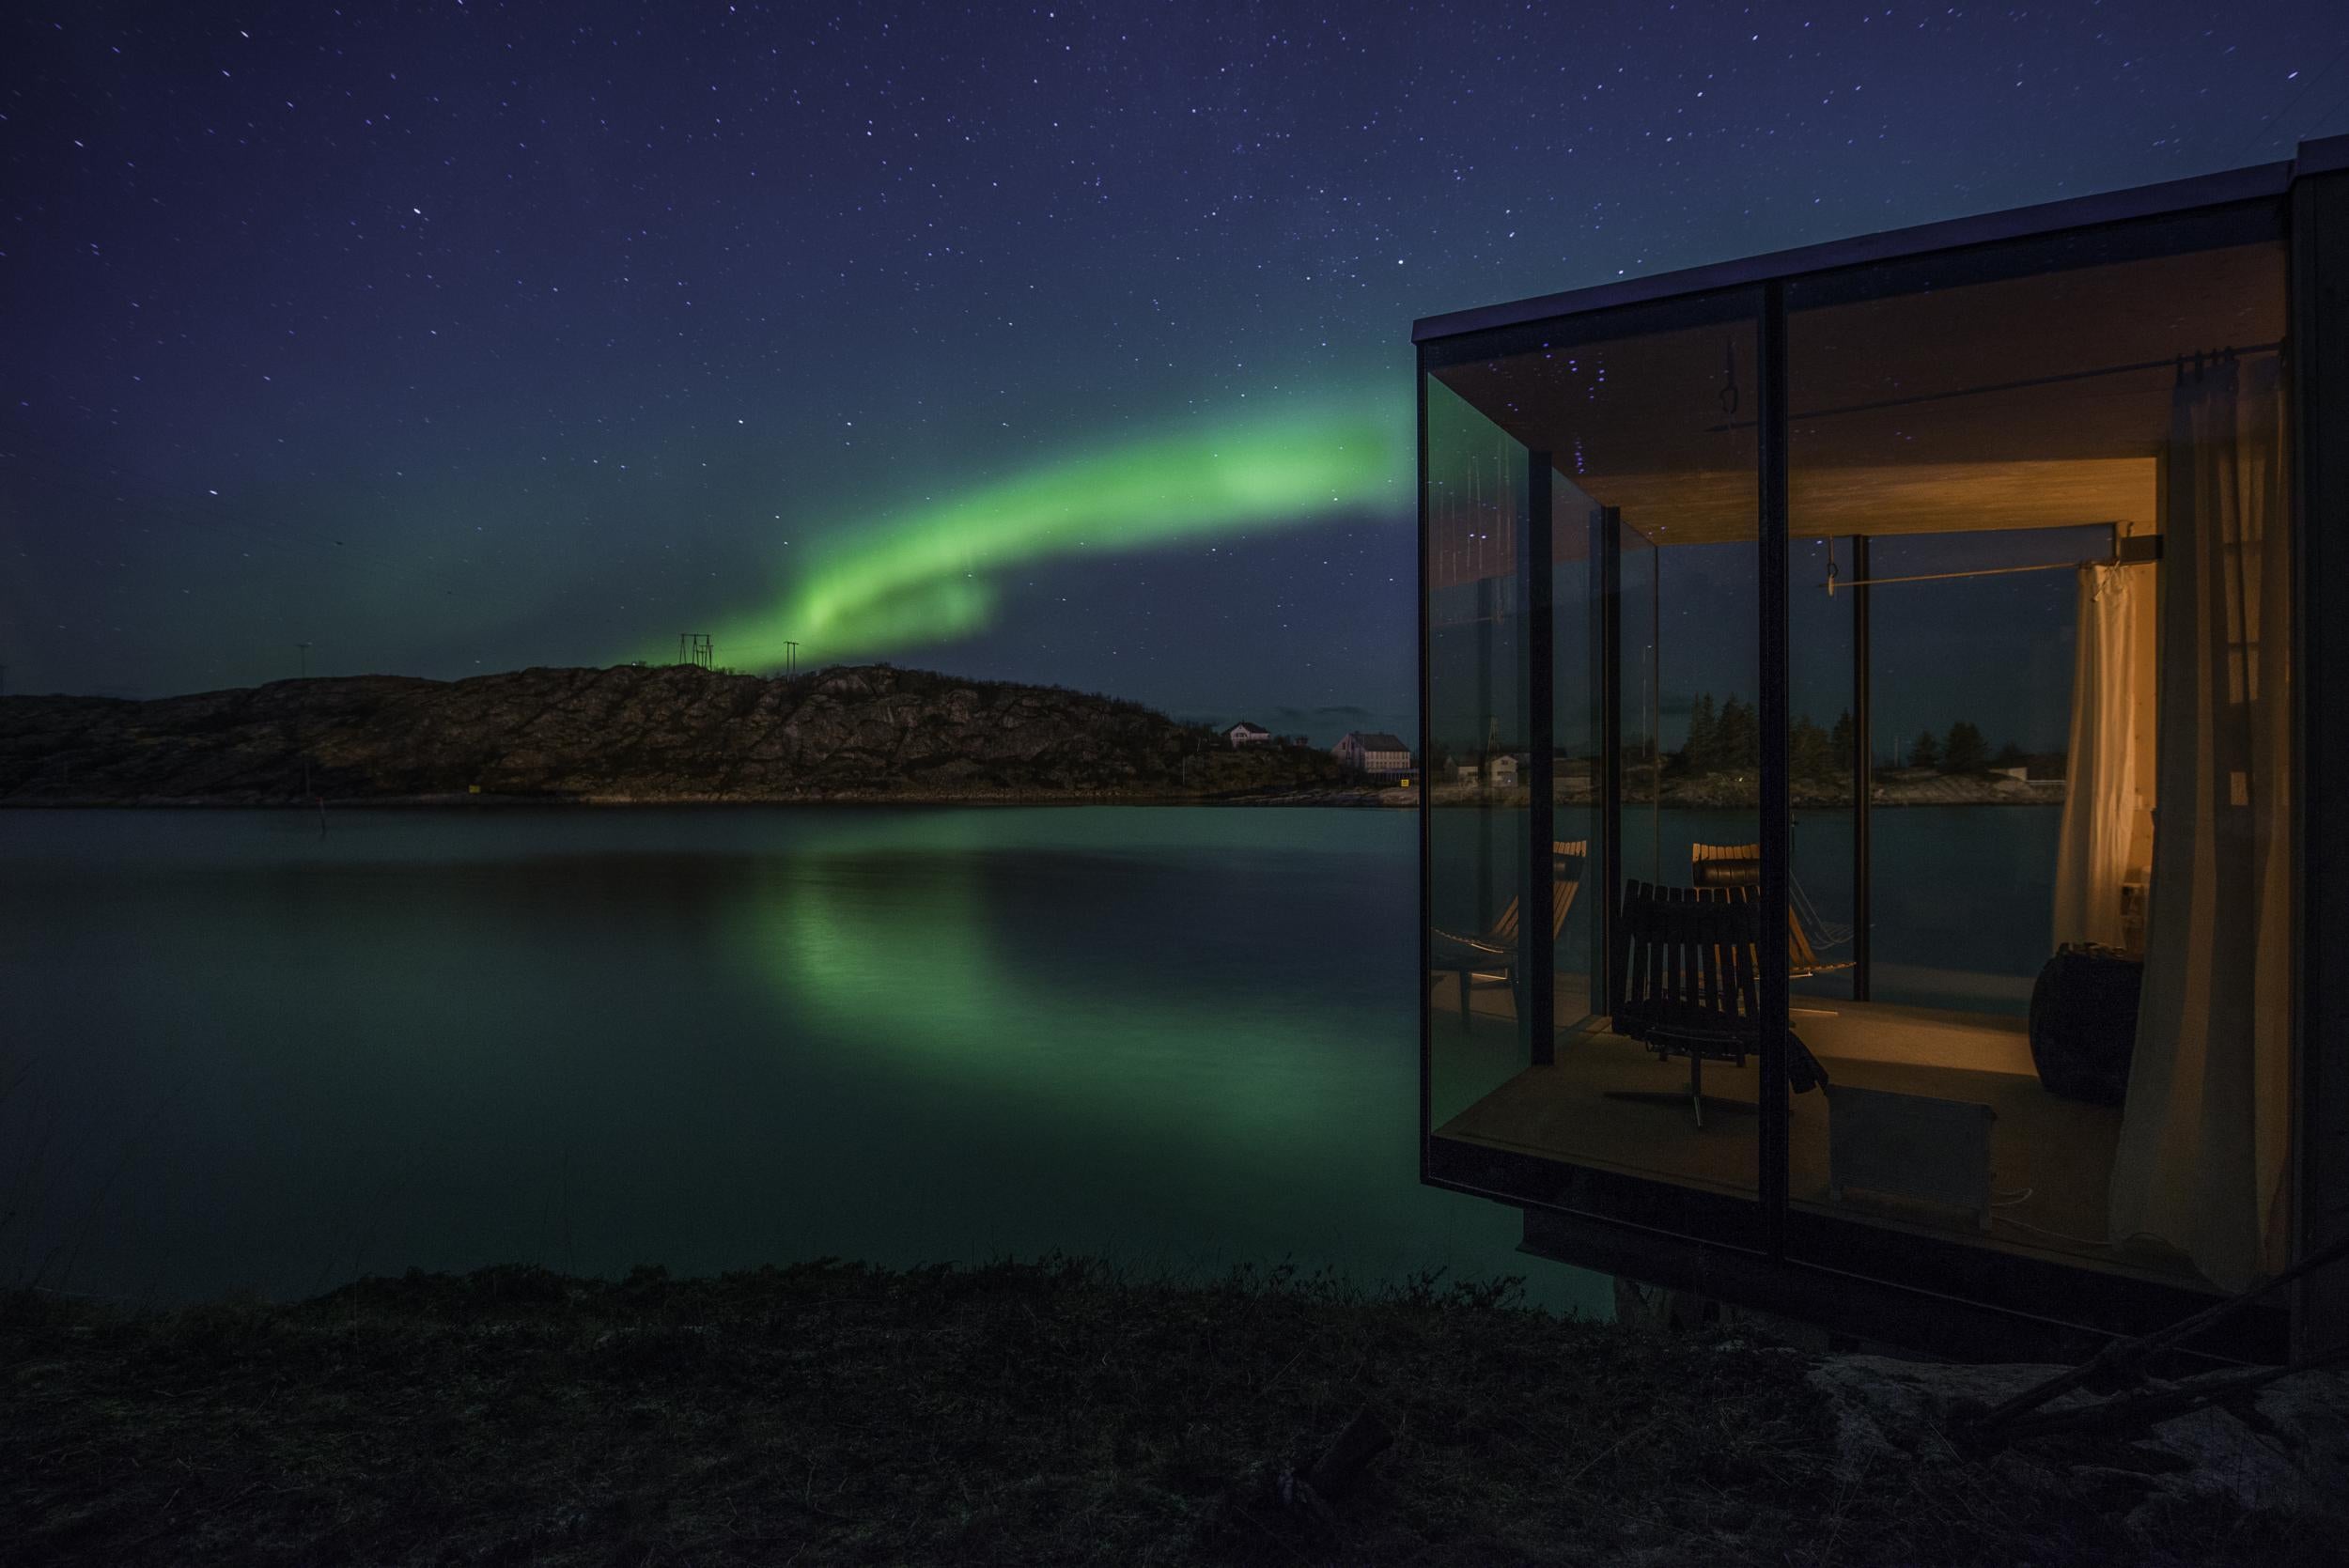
x: 1246, y: 733
x: 1504, y: 773
x: 1373, y: 752
x: 1464, y: 773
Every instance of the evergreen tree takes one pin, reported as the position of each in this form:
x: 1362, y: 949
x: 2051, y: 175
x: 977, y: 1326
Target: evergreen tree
x: 1736, y: 735
x: 1809, y: 752
x: 1965, y: 750
x: 1925, y: 751
x: 2011, y: 755
x: 1697, y: 754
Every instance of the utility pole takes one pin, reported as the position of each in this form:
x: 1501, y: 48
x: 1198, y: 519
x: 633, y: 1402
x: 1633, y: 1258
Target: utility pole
x: 694, y: 647
x: 304, y: 648
x: 790, y: 658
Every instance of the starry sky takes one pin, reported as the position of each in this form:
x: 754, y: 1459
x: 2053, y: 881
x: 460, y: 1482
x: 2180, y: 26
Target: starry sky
x: 1049, y: 343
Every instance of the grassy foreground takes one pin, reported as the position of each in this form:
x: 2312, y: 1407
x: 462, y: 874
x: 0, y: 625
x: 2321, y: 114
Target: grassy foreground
x: 1014, y: 1413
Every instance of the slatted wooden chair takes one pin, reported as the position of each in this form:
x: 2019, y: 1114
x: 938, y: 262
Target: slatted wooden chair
x: 1728, y: 865
x: 1491, y: 961
x: 1686, y: 959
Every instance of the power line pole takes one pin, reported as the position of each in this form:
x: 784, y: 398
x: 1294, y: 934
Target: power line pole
x: 790, y: 658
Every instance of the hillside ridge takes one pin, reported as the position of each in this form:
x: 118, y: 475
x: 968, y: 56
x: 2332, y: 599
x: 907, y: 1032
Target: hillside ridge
x: 627, y: 734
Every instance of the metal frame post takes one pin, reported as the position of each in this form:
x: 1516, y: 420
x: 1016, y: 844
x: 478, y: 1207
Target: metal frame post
x: 1426, y: 731
x: 1537, y: 956
x: 1863, y: 776
x: 1777, y: 825
x: 2317, y: 362
x: 1609, y: 669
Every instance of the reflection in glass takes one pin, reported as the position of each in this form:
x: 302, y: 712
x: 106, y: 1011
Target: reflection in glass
x: 2036, y: 498
x: 1476, y: 498
x: 1644, y: 421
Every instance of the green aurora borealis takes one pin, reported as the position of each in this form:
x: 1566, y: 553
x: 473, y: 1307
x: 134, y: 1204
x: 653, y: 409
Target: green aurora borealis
x: 1058, y: 345
x: 930, y: 575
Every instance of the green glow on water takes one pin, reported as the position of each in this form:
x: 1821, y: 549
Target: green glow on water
x: 883, y: 933
x: 930, y: 576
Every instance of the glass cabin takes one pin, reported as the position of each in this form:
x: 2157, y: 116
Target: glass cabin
x: 1873, y: 855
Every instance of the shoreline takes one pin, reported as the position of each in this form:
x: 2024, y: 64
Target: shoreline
x: 1061, y: 1411
x: 1364, y: 799
x: 1347, y: 800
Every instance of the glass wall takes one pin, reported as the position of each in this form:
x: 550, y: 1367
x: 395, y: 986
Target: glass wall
x: 2050, y: 477
x: 1640, y: 425
x: 2039, y: 756
x: 1475, y: 491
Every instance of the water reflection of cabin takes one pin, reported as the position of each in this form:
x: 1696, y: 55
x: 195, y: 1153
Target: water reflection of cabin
x: 2143, y: 397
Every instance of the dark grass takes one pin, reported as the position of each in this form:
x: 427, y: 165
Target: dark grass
x: 1013, y: 1414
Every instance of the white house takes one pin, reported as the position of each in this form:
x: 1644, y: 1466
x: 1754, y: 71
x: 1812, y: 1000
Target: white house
x: 1504, y: 773
x: 1246, y: 733
x: 1373, y: 752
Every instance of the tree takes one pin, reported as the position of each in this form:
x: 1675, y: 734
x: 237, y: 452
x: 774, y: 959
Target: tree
x: 1965, y: 750
x: 2011, y: 755
x: 1696, y: 753
x: 1809, y: 752
x: 1736, y: 735
x: 1843, y: 740
x: 1925, y: 751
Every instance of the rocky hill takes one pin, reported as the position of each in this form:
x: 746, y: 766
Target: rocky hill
x: 628, y: 734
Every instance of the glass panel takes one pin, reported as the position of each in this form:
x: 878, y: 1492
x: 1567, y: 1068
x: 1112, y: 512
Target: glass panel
x: 1577, y: 732
x: 1640, y: 578
x: 1959, y: 731
x: 2067, y: 1034
x: 1646, y: 418
x: 1476, y: 498
x: 1822, y: 938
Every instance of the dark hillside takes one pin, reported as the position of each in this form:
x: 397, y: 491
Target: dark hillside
x: 631, y: 733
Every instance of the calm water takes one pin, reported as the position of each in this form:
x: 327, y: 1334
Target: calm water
x: 237, y: 1053
x: 256, y: 1057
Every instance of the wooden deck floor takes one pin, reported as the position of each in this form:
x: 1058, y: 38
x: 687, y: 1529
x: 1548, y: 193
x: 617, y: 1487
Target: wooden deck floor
x: 2051, y: 1158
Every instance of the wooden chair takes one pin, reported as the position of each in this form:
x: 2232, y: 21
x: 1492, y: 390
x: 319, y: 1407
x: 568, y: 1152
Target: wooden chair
x: 1729, y: 865
x: 1689, y: 988
x: 1492, y: 958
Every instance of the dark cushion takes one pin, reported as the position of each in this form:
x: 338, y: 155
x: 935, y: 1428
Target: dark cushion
x: 1726, y: 873
x: 2083, y: 1022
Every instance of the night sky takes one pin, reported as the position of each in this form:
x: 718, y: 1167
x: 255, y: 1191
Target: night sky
x: 1061, y: 344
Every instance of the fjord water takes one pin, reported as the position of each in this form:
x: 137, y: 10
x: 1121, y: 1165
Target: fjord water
x: 240, y: 1052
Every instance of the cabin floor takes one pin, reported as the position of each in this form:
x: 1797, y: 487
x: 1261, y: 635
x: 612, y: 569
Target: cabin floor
x: 2050, y: 1158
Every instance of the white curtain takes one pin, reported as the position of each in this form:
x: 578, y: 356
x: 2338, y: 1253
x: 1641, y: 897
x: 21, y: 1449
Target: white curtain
x: 2100, y: 797
x: 2202, y: 1147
